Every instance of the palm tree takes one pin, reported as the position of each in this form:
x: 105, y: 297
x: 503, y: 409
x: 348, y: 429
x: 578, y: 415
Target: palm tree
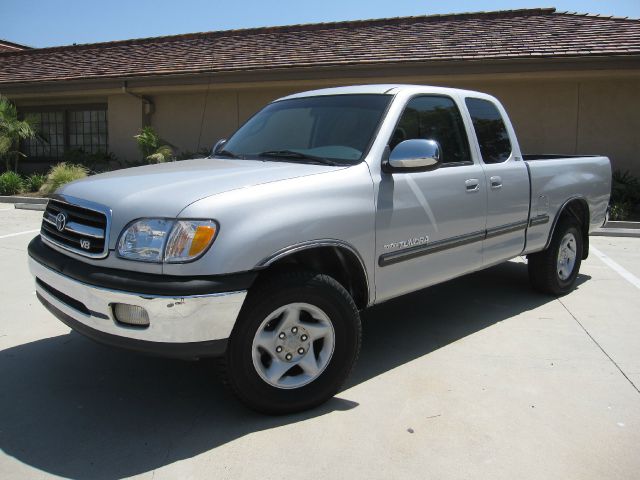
x: 12, y: 130
x: 150, y: 145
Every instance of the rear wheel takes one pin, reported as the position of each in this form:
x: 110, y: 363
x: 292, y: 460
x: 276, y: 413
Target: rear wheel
x: 294, y: 343
x: 556, y: 269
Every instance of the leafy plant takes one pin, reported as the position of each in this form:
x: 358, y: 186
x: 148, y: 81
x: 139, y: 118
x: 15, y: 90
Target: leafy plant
x: 10, y: 183
x: 12, y: 130
x: 620, y: 211
x: 99, y: 161
x: 153, y: 148
x: 62, y: 174
x: 75, y: 156
x: 161, y: 155
x: 34, y: 182
x: 625, y: 188
x: 625, y: 195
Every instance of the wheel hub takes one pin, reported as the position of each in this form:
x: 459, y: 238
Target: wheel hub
x: 292, y: 346
x: 567, y: 254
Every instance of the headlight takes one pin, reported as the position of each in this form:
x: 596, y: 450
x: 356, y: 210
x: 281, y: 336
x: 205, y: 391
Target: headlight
x: 144, y: 240
x: 157, y: 240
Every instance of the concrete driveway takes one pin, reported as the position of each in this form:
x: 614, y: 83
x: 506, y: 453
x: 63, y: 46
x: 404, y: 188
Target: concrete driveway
x: 476, y: 378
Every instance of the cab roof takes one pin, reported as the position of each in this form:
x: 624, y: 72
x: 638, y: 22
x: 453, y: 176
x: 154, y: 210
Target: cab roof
x: 380, y: 89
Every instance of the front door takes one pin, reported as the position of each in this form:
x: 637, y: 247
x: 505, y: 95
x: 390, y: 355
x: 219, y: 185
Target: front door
x: 430, y: 225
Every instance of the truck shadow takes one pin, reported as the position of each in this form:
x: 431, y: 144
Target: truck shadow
x: 407, y: 328
x: 76, y: 409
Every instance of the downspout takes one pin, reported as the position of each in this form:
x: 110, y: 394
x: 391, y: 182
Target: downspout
x: 149, y: 106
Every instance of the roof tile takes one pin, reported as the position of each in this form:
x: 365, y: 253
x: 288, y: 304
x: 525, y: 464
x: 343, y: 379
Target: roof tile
x: 485, y: 35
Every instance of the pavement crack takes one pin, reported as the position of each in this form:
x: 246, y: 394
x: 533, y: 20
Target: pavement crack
x: 599, y: 346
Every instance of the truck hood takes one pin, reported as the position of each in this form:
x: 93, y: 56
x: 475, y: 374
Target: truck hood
x: 165, y: 189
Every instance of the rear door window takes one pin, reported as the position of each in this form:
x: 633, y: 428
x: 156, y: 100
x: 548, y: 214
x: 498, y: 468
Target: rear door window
x: 490, y: 129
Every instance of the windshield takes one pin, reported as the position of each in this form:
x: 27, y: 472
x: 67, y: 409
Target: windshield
x: 334, y: 127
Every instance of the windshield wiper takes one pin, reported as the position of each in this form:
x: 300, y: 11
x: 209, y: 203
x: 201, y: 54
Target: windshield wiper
x: 226, y: 153
x: 302, y: 156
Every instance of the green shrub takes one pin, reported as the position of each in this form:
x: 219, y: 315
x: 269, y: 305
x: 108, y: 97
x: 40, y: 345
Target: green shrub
x: 625, y: 188
x: 620, y: 211
x: 61, y: 174
x: 34, y: 182
x: 12, y: 131
x: 99, y: 161
x: 10, y: 183
x: 154, y: 149
x: 625, y: 195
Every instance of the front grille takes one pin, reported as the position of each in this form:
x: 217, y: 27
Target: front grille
x: 76, y: 228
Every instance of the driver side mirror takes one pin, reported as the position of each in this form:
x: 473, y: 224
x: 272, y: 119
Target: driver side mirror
x: 415, y: 154
x: 218, y: 146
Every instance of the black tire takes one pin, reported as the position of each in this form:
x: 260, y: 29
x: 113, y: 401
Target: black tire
x: 543, y: 266
x: 318, y: 290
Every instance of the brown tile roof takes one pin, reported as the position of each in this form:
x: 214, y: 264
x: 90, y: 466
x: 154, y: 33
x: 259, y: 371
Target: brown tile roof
x: 532, y: 33
x: 7, y: 46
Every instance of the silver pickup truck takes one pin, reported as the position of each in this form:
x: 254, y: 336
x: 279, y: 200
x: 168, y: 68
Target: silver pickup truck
x: 322, y: 204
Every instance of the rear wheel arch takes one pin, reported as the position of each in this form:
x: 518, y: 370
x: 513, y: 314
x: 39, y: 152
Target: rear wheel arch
x: 556, y: 269
x: 578, y: 209
x: 337, y: 259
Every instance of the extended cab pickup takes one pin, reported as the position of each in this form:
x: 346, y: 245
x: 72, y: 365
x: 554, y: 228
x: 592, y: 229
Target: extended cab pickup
x: 322, y: 204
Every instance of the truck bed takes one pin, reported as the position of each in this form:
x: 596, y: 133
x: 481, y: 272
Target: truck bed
x: 571, y: 177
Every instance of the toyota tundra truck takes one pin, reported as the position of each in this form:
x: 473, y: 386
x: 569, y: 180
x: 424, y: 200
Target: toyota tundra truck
x: 321, y: 205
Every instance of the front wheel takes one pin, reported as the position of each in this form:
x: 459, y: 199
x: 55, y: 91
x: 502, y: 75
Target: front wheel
x: 294, y: 343
x: 555, y: 270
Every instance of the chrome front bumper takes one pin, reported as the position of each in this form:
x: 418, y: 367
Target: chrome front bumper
x: 173, y: 320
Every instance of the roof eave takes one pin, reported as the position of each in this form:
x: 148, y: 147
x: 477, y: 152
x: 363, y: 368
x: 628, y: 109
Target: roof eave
x: 238, y: 78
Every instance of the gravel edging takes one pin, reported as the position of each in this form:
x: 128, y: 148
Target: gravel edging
x: 634, y: 225
x: 15, y: 199
x: 30, y: 206
x: 616, y: 232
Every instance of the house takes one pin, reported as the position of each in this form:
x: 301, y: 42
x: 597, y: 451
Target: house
x: 571, y: 82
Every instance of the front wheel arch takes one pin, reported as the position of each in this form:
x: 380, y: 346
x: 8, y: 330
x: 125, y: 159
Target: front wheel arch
x: 329, y: 257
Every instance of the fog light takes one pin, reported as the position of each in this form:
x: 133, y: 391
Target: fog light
x: 131, y: 315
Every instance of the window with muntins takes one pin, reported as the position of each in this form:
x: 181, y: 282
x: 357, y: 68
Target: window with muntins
x: 64, y: 129
x: 490, y: 129
x: 432, y: 117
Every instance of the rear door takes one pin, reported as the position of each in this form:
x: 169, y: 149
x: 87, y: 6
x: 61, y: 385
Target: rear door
x: 506, y: 180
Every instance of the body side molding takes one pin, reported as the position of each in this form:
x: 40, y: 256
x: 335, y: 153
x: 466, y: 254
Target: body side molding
x: 420, y: 250
x: 507, y: 228
x: 539, y: 220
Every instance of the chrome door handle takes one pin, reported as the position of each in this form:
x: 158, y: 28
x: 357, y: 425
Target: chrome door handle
x: 496, y: 182
x: 472, y: 185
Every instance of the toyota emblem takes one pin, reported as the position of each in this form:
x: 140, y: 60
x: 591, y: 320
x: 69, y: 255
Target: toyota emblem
x: 61, y: 221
